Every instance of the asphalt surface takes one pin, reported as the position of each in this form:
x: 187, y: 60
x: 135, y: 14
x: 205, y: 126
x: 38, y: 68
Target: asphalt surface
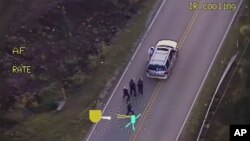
x: 165, y: 104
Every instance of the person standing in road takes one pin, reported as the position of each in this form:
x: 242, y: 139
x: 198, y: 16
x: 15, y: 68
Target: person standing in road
x: 132, y: 87
x: 150, y: 52
x: 130, y: 110
x: 140, y: 85
x: 126, y: 94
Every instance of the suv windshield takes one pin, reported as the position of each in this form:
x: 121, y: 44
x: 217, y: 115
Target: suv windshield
x: 156, y: 67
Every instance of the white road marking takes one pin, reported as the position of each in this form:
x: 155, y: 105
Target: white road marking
x: 106, y: 117
x: 210, y: 66
x: 105, y: 107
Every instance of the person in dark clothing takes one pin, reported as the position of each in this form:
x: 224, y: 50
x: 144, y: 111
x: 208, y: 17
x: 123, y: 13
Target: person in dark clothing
x: 140, y: 85
x: 126, y: 94
x: 150, y: 52
x: 130, y: 110
x: 132, y: 87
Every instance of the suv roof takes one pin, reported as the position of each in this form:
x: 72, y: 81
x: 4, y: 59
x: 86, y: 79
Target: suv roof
x: 160, y: 55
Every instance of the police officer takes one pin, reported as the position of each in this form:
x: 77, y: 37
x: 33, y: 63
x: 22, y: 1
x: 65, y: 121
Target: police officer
x: 150, y: 52
x: 126, y: 94
x: 140, y: 85
x: 130, y: 110
x: 132, y: 87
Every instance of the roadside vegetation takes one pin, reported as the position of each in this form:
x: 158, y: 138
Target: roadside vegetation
x: 75, y: 48
x: 233, y: 107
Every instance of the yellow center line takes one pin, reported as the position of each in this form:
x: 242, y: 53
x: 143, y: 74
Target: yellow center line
x: 146, y: 109
x: 190, y: 24
x: 158, y: 86
x: 196, y: 13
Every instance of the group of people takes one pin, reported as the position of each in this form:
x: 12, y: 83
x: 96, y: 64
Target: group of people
x: 132, y: 91
x: 133, y: 87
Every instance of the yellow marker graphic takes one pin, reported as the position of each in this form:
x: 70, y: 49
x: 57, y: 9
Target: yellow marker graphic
x: 122, y: 116
x: 96, y: 115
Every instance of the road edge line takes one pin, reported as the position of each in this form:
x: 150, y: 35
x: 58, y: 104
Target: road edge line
x: 138, y: 47
x: 210, y: 66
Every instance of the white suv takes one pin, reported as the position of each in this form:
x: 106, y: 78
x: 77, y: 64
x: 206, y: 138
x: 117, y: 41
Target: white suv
x: 162, y: 60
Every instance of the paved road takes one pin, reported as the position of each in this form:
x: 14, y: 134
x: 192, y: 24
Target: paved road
x: 166, y: 104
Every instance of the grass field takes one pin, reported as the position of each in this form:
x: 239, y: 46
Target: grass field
x: 234, y: 106
x: 72, y: 123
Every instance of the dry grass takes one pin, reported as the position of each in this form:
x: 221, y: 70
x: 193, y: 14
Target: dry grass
x: 68, y: 125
